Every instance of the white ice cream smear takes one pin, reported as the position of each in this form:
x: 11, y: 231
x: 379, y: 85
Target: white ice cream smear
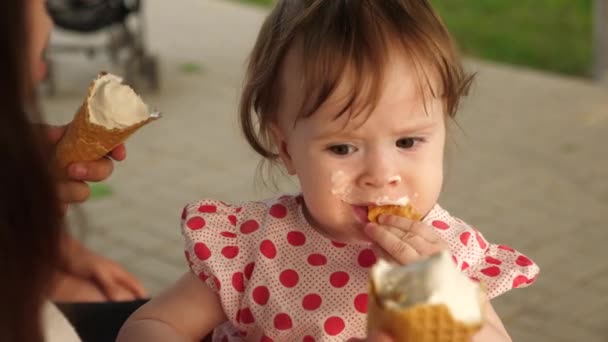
x: 385, y: 200
x: 341, y: 185
x: 115, y: 105
x: 435, y: 280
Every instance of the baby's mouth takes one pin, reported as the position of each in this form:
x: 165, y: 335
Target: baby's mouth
x: 361, y: 212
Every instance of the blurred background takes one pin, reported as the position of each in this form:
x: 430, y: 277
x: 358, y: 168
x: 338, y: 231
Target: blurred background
x: 526, y: 163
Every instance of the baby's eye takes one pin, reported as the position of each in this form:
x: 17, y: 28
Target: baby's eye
x: 342, y: 149
x: 407, y: 143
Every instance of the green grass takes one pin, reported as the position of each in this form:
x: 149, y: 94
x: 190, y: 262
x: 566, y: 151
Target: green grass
x: 100, y: 190
x: 552, y: 35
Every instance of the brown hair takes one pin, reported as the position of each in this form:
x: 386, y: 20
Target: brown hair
x: 30, y: 219
x: 339, y: 37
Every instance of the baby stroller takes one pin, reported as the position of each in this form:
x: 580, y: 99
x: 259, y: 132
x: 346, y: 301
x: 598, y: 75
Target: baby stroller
x: 124, y: 44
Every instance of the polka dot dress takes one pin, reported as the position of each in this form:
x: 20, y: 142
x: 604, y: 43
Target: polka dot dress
x: 280, y: 280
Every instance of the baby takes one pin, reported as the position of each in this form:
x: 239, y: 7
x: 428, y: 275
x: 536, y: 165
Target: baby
x: 352, y: 98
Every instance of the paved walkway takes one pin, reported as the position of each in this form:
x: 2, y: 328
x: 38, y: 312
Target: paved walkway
x: 528, y: 166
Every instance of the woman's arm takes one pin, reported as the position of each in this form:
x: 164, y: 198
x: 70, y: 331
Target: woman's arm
x: 187, y: 311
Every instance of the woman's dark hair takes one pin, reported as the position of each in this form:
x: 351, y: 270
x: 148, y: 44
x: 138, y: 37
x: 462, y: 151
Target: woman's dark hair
x: 30, y: 218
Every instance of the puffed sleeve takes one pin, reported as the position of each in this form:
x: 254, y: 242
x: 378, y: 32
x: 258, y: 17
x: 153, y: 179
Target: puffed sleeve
x: 213, y: 250
x: 500, y: 268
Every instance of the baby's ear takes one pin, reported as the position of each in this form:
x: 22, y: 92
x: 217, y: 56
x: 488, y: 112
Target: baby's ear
x: 280, y: 142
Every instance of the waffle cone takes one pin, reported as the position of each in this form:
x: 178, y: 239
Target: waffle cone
x: 86, y: 141
x: 419, y: 323
x: 406, y: 211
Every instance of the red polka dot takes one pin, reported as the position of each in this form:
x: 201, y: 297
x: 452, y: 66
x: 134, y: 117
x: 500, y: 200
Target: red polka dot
x: 282, y: 321
x: 519, y: 281
x: 339, y: 279
x: 260, y: 295
x: 480, y: 240
x: 266, y: 339
x: 506, y: 248
x: 440, y: 225
x: 249, y: 226
x: 196, y: 223
x: 238, y: 282
x: 268, y: 249
x: 367, y: 258
x: 475, y: 279
x: 246, y: 316
x: 249, y: 270
x: 464, y: 266
x: 361, y: 303
x: 228, y: 235
x: 308, y: 339
x: 232, y: 220
x: 230, y: 252
x: 493, y: 261
x: 338, y: 244
x: 464, y: 238
x: 289, y: 278
x: 334, y: 325
x: 492, y: 271
x: 238, y: 210
x: 523, y: 261
x: 207, y: 209
x: 317, y: 260
x: 203, y: 276
x: 202, y: 251
x: 184, y: 213
x: 218, y: 285
x: 278, y: 210
x: 454, y: 260
x: 311, y: 302
x: 296, y: 238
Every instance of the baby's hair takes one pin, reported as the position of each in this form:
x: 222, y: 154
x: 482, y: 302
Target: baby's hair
x: 345, y: 38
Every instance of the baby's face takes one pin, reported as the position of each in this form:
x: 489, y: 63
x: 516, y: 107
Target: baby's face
x: 343, y: 166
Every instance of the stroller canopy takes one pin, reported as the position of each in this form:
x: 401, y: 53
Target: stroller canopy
x: 90, y: 15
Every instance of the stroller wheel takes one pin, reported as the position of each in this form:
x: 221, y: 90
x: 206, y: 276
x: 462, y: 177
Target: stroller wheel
x: 142, y: 68
x: 149, y: 70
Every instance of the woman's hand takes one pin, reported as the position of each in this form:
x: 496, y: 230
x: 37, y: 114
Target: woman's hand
x: 92, y: 271
x: 71, y: 183
x: 404, y: 240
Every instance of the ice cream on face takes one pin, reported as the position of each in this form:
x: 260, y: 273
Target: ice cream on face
x: 432, y: 281
x: 385, y: 200
x: 114, y: 105
x: 341, y: 185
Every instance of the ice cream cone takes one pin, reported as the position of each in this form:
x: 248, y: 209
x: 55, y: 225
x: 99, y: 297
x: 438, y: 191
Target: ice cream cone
x: 88, y: 141
x: 406, y: 211
x: 420, y: 323
x: 428, y: 301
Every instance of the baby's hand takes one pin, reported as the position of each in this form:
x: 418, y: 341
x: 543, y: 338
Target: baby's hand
x: 404, y: 240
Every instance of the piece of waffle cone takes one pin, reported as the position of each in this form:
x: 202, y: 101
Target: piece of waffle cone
x: 420, y: 323
x: 87, y: 141
x: 406, y: 211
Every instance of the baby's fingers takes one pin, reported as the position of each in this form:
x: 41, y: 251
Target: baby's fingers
x: 411, y: 227
x: 391, y: 244
x: 423, y: 243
